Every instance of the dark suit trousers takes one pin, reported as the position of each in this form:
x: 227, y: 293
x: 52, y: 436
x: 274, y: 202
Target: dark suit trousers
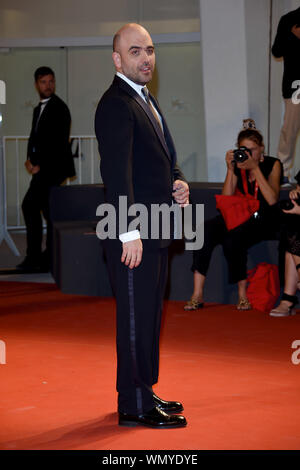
x: 139, y: 294
x: 35, y: 202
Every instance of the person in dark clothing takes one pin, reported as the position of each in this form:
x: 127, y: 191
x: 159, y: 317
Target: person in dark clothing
x: 287, y: 45
x: 291, y: 240
x: 49, y: 161
x: 263, y: 176
x: 138, y: 162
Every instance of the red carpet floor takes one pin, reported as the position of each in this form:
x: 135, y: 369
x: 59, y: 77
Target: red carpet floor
x: 232, y: 370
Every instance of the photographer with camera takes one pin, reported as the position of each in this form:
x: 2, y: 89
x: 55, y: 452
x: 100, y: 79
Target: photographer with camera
x: 261, y: 178
x: 291, y: 240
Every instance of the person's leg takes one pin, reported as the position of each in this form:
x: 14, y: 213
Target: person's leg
x: 288, y: 135
x: 138, y: 323
x: 199, y: 281
x: 138, y: 295
x: 243, y: 303
x: 288, y: 299
x: 31, y: 208
x: 235, y: 247
x: 162, y: 274
x: 297, y: 264
x: 214, y: 233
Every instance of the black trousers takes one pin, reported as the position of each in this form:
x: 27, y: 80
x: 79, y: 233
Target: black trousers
x: 235, y: 243
x: 35, y: 202
x: 291, y: 234
x: 139, y: 295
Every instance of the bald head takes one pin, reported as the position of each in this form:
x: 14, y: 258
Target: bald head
x: 133, y: 53
x: 127, y: 29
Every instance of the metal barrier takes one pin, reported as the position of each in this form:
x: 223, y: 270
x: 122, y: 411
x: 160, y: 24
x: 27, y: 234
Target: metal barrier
x: 4, y: 235
x: 85, y: 170
x: 84, y: 161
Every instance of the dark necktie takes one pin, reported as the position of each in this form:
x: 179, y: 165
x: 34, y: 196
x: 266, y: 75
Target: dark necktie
x: 37, y: 115
x: 145, y: 92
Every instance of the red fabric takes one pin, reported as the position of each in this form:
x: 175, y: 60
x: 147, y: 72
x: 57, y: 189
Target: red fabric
x: 264, y: 288
x: 236, y: 209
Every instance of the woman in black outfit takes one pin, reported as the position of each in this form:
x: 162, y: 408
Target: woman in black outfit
x: 291, y: 239
x: 263, y: 178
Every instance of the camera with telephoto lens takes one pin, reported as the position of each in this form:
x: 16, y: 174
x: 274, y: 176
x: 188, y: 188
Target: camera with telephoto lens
x: 287, y: 205
x: 239, y: 155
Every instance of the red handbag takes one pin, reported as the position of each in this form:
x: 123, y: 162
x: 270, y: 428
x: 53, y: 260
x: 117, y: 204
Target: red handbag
x: 263, y: 286
x: 238, y: 208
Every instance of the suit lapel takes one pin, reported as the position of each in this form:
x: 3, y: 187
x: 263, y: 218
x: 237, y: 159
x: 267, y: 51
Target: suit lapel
x: 167, y: 134
x: 122, y: 84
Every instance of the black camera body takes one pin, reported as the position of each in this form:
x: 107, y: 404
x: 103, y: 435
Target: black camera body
x: 239, y: 155
x: 287, y: 205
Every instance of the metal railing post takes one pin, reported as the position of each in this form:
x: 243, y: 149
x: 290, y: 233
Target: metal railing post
x: 4, y: 235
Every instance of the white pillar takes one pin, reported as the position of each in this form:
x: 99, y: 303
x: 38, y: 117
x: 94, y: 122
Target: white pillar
x: 224, y: 64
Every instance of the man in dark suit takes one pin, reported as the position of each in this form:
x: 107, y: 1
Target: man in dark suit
x: 138, y: 160
x: 49, y: 161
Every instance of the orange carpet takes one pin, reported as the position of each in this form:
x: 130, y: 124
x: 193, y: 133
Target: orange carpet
x: 232, y: 370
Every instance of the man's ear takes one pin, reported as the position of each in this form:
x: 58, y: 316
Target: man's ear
x: 117, y: 60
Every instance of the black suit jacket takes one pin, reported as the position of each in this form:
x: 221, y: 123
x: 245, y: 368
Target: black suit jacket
x: 49, y: 145
x: 137, y: 160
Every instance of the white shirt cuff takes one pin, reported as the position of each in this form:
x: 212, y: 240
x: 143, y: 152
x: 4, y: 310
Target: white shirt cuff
x: 129, y: 236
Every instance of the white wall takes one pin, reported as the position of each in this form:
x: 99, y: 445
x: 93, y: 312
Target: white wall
x: 241, y: 78
x: 92, y: 18
x: 257, y: 19
x: 224, y: 68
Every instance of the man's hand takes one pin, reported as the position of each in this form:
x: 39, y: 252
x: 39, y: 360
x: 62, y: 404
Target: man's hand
x: 132, y: 253
x: 296, y: 31
x: 32, y: 169
x: 181, y: 193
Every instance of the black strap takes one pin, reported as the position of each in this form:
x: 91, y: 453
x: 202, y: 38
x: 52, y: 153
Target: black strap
x: 290, y: 298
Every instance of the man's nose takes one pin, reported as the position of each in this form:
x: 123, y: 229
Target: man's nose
x: 145, y: 56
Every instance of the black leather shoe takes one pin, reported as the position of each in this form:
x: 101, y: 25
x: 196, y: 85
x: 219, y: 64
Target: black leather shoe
x: 168, y: 406
x: 154, y: 418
